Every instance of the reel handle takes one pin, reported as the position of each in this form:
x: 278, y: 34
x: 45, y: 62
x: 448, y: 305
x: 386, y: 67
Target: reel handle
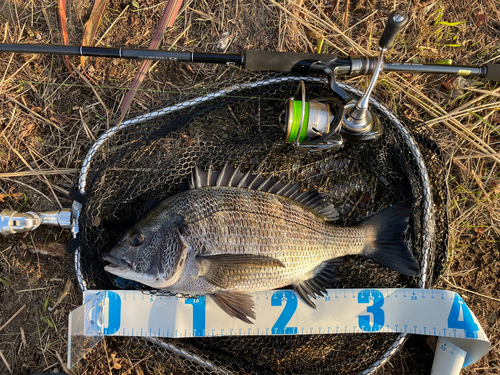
x: 397, y: 20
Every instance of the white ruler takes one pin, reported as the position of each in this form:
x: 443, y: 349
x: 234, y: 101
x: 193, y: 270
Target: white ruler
x: 280, y: 312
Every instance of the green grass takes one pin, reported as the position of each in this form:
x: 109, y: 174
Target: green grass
x: 46, y: 303
x: 47, y: 320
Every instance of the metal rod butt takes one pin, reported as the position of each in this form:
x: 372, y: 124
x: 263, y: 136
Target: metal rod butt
x: 12, y: 222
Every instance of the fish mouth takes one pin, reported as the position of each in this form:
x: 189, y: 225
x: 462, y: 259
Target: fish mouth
x: 119, y: 263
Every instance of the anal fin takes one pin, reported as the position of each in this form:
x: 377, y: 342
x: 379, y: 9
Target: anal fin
x: 303, y: 294
x: 324, y: 275
x: 239, y: 305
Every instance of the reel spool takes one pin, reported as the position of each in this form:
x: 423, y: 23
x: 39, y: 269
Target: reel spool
x: 312, y: 125
x: 325, y: 123
x: 315, y: 115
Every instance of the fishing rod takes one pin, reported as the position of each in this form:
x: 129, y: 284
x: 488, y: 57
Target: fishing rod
x: 311, y: 125
x: 294, y: 62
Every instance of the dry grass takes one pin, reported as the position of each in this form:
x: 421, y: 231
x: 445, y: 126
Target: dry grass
x: 48, y: 120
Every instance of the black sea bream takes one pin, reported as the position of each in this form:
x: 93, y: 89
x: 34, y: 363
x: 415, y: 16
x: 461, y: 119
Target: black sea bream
x: 234, y: 233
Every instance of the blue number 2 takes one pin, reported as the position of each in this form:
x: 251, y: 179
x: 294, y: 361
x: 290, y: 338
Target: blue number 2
x: 467, y: 323
x: 199, y: 309
x: 367, y: 296
x: 291, y: 303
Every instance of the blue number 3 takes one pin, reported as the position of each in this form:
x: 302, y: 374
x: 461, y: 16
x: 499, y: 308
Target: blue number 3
x: 367, y: 296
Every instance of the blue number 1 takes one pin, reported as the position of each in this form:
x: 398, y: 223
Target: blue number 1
x: 467, y: 323
x: 367, y: 296
x: 291, y: 303
x: 199, y: 309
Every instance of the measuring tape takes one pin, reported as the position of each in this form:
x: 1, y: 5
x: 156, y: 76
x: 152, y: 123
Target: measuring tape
x: 280, y: 312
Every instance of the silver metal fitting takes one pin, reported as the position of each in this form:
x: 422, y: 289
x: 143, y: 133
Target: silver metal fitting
x: 14, y: 222
x: 357, y: 117
x: 60, y: 218
x: 362, y: 65
x: 398, y: 17
x: 355, y: 120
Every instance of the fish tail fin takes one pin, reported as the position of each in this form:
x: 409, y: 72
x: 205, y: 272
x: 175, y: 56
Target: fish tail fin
x: 385, y: 244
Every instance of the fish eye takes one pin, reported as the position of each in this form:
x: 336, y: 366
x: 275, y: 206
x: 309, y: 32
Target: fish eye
x: 136, y: 239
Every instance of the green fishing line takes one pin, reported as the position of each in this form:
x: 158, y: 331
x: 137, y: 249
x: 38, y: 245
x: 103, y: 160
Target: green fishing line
x: 294, y: 127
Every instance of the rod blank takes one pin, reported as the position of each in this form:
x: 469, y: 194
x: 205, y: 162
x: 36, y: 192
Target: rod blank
x: 139, y: 54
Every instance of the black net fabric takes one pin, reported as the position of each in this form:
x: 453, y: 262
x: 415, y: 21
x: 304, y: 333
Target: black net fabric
x: 141, y: 164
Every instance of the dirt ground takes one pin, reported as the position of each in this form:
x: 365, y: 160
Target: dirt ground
x: 49, y: 119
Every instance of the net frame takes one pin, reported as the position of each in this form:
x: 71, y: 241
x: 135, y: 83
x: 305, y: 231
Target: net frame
x: 428, y: 231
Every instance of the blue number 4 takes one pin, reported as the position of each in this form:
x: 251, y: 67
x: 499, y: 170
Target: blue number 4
x: 467, y: 322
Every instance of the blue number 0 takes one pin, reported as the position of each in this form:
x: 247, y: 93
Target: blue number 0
x: 291, y: 303
x: 367, y: 296
x: 199, y: 313
x: 467, y: 323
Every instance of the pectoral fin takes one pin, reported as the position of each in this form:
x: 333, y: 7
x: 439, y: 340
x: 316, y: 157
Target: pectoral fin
x: 239, y: 305
x: 228, y: 270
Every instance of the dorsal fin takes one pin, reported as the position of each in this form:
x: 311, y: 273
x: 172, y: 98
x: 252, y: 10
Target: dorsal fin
x: 212, y: 176
x: 200, y: 177
x: 255, y: 182
x: 235, y: 178
x: 266, y: 185
x: 225, y: 176
x: 276, y: 187
x: 246, y: 179
x: 229, y: 176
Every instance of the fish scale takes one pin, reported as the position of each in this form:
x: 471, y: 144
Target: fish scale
x: 280, y: 229
x: 225, y: 241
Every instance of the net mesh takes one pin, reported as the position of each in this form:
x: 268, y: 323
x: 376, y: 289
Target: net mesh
x: 146, y: 161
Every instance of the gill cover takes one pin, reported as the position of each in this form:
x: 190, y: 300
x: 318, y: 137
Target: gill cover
x: 174, y: 259
x: 157, y: 261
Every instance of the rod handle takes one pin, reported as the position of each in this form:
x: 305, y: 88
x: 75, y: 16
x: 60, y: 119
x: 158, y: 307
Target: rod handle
x: 395, y: 23
x: 493, y: 73
x: 279, y: 61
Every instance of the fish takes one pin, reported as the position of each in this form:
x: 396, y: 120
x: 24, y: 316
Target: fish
x: 233, y: 233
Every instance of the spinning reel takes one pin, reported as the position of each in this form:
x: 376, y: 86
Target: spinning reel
x: 325, y: 123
